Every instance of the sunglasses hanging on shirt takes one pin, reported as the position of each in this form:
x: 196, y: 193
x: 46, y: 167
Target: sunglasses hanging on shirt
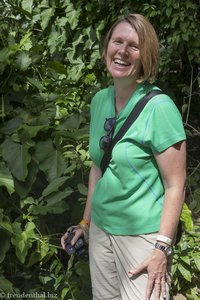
x: 106, y: 140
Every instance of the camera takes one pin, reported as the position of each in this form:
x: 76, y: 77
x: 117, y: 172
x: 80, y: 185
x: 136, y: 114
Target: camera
x: 79, y: 248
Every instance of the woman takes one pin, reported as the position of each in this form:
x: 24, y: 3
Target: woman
x: 134, y: 208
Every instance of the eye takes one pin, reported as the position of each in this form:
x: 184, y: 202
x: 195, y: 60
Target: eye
x: 134, y: 46
x: 117, y: 42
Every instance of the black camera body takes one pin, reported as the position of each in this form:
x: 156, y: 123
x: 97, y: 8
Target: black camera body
x: 79, y: 248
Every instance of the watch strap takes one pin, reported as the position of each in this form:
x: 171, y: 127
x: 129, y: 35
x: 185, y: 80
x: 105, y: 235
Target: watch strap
x: 166, y: 249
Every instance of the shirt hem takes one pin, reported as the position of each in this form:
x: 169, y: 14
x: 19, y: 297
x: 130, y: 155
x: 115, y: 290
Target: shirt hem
x: 127, y: 231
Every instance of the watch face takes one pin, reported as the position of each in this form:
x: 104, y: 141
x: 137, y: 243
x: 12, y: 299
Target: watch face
x: 168, y: 251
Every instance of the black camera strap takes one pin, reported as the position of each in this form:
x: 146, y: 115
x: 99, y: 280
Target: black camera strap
x: 134, y: 114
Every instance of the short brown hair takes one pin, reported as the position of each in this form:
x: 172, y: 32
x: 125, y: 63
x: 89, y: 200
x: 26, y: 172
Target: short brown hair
x: 148, y: 44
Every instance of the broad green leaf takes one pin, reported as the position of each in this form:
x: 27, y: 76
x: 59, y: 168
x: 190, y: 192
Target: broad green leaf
x: 185, y: 273
x: 186, y: 259
x: 37, y: 210
x: 64, y: 293
x: 73, y: 122
x: 72, y: 15
x: 45, y: 279
x: 196, y: 258
x: 50, y: 160
x: 186, y: 217
x: 17, y: 157
x: 6, y: 285
x: 22, y: 188
x: 55, y: 198
x: 35, y: 82
x: 23, y: 61
x: 82, y: 189
x: 29, y: 226
x: 54, y: 185
x: 6, y: 178
x: 5, y: 244
x: 27, y: 5
x: 33, y: 130
x: 53, y: 40
x: 46, y: 15
x: 34, y: 258
x: 54, y: 265
x: 58, y: 268
x: 44, y: 4
x: 57, y: 208
x: 21, y: 245
x: 12, y: 125
x: 44, y: 250
x: 21, y: 255
x: 6, y: 52
x: 58, y: 66
x: 7, y: 226
x: 28, y: 200
x: 193, y: 294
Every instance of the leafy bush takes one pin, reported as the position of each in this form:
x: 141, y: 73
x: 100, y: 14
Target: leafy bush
x: 186, y: 261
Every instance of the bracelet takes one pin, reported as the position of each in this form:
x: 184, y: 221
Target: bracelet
x: 164, y: 239
x: 85, y: 226
x: 84, y: 223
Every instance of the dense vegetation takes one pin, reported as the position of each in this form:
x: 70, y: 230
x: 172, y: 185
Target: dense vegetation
x: 50, y: 67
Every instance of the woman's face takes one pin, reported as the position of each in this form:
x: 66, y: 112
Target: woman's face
x: 123, y: 54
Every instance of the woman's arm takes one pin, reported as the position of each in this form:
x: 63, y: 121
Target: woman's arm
x: 94, y: 176
x: 172, y: 166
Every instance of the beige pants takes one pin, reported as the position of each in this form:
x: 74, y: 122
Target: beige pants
x: 111, y: 258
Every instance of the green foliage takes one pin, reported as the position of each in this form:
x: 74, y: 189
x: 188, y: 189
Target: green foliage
x: 186, y: 261
x: 50, y: 67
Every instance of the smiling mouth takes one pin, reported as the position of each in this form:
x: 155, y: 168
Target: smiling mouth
x: 121, y: 62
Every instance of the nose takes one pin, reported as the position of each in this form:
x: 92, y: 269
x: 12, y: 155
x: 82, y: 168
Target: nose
x: 123, y: 50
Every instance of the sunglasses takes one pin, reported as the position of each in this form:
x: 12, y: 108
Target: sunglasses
x: 106, y: 140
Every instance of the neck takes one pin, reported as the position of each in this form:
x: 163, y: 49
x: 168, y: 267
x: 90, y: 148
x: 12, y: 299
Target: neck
x: 123, y: 92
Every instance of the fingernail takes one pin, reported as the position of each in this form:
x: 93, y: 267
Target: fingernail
x: 130, y: 273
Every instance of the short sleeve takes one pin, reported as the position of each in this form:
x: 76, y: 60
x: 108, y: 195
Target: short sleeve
x: 164, y: 126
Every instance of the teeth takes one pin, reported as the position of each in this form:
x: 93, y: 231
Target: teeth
x: 121, y: 62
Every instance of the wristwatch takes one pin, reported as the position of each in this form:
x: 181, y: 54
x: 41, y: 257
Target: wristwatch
x: 166, y: 249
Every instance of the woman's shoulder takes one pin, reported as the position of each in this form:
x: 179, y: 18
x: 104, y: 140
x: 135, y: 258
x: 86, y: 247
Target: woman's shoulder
x: 162, y: 98
x: 103, y: 95
x: 104, y: 92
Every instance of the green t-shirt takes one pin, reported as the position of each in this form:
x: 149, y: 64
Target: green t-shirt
x: 128, y: 199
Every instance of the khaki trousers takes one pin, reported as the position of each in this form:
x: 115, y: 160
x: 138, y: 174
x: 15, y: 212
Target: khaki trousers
x: 111, y: 258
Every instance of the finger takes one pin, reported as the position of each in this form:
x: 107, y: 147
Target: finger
x: 78, y: 232
x: 139, y: 269
x: 63, y: 238
x: 157, y: 290
x: 163, y: 289
x: 149, y: 288
x: 168, y: 279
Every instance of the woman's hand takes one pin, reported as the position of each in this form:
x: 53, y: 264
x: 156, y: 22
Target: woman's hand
x: 78, y: 232
x: 156, y: 267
